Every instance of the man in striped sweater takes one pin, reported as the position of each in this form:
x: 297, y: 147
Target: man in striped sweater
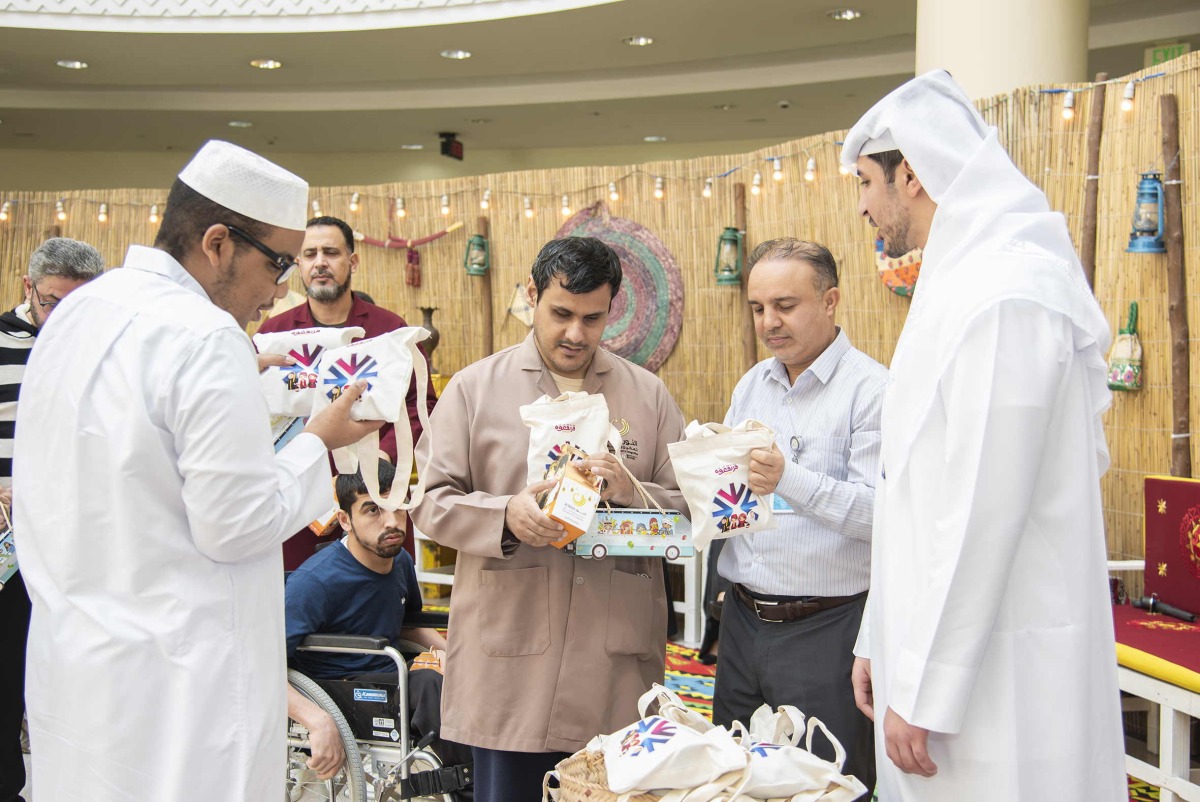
x: 56, y: 268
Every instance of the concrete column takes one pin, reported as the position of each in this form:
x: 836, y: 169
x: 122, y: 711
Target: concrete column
x: 995, y: 46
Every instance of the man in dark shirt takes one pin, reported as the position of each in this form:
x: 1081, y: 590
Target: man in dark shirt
x: 363, y: 584
x: 327, y: 267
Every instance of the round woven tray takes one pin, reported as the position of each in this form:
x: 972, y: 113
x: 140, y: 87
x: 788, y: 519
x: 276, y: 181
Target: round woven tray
x: 583, y: 778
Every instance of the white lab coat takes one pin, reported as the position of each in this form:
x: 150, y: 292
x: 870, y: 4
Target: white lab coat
x: 150, y: 510
x: 989, y: 622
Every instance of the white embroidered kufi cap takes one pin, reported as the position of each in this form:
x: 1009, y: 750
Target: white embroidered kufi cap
x: 248, y: 184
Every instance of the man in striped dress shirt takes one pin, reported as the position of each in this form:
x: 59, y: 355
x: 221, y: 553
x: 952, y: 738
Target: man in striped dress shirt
x: 789, y: 622
x: 56, y: 268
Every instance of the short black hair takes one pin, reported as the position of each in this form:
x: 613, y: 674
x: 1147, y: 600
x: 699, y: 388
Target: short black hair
x: 582, y: 264
x: 889, y: 160
x: 791, y: 249
x: 329, y: 220
x: 188, y: 214
x: 350, y: 486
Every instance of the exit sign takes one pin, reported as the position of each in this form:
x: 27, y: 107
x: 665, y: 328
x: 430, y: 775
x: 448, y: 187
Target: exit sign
x: 1157, y: 55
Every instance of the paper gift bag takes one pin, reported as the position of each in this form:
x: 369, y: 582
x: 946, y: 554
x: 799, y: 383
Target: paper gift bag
x: 387, y: 364
x: 712, y: 467
x: 579, y: 420
x: 1125, y: 356
x: 290, y: 388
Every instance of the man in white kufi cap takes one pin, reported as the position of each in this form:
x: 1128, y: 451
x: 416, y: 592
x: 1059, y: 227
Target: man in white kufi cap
x: 150, y: 505
x: 986, y: 656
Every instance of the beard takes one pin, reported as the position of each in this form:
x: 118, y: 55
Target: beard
x: 35, y: 315
x: 389, y: 550
x: 327, y: 294
x: 896, y: 243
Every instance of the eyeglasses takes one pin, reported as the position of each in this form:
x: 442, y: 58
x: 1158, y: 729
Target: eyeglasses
x: 284, y: 264
x: 37, y: 297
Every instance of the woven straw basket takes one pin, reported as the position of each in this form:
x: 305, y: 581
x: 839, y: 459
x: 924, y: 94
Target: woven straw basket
x: 583, y: 778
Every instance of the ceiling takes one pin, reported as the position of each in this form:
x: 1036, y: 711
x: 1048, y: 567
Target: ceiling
x: 718, y: 70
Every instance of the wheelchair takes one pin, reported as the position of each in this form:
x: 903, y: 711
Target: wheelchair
x: 382, y: 763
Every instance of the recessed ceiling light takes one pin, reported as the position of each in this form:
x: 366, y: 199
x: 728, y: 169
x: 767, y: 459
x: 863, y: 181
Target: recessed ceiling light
x: 240, y: 124
x: 412, y: 147
x: 844, y: 14
x: 68, y: 64
x: 457, y: 55
x: 638, y: 41
x: 266, y: 63
x: 654, y: 139
x: 479, y: 121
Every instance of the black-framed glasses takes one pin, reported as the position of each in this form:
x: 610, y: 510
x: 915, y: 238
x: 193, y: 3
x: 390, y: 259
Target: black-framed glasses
x: 284, y: 264
x: 37, y: 297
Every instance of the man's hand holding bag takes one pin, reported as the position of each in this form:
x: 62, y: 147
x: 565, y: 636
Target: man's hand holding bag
x: 712, y: 467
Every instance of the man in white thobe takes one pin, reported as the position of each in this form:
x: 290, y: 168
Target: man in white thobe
x: 150, y: 507
x: 986, y: 656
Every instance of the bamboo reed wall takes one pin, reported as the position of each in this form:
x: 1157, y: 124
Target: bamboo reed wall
x: 706, y: 362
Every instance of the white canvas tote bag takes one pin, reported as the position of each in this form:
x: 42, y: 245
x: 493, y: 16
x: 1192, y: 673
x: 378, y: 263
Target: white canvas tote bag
x: 290, y: 389
x: 712, y: 467
x: 577, y: 419
x: 387, y: 363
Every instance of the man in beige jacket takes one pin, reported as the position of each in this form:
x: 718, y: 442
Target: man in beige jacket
x: 547, y: 650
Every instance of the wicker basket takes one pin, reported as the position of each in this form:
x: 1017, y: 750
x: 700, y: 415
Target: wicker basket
x: 583, y: 778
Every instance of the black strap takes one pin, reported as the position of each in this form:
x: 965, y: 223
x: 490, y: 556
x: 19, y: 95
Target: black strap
x: 437, y: 781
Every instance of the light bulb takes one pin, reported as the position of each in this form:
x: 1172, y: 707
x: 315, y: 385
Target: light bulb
x: 1127, y: 97
x: 528, y: 207
x: 843, y: 169
x: 1068, y: 109
x: 400, y: 210
x: 61, y: 210
x: 613, y: 195
x: 777, y: 170
x: 4, y: 211
x: 154, y: 213
x: 316, y: 207
x: 445, y: 204
x: 354, y: 202
x: 707, y: 191
x: 810, y: 170
x: 658, y: 187
x: 486, y: 200
x: 566, y: 206
x: 756, y: 184
x: 103, y: 215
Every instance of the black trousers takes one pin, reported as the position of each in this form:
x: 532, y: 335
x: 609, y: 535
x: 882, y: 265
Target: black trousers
x: 14, y: 634
x: 803, y: 663
x: 512, y: 776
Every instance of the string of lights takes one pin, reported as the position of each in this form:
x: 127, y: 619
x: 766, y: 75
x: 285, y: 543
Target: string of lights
x: 397, y: 204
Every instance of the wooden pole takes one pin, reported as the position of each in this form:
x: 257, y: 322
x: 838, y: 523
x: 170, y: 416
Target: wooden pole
x: 749, y: 338
x: 485, y: 289
x: 1091, y: 191
x: 1181, y: 443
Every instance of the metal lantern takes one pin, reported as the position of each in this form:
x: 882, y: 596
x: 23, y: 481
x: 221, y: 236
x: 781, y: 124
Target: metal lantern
x: 728, y: 268
x: 476, y: 259
x: 1146, y: 236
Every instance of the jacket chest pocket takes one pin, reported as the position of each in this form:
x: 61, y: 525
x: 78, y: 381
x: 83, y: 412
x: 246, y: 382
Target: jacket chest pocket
x: 524, y: 631
x: 630, y: 614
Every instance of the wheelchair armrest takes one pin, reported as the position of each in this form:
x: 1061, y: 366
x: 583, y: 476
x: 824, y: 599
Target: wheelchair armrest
x: 345, y: 642
x: 428, y: 618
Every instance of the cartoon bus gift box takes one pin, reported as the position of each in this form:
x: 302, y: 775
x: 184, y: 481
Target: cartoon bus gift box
x: 648, y: 532
x: 573, y: 499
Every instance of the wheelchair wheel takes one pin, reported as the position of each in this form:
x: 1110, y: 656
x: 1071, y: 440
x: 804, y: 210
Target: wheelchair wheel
x: 348, y: 785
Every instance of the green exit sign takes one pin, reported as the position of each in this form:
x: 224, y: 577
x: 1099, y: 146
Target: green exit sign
x: 1157, y: 55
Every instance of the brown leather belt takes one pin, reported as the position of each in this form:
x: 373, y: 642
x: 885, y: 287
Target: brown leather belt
x: 777, y: 612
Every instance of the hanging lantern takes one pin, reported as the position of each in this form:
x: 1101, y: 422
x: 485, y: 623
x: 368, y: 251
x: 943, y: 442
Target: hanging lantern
x: 1146, y: 235
x: 476, y: 259
x: 728, y: 268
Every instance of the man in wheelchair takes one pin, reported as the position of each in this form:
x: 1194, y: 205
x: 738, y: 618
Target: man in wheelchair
x: 364, y: 585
